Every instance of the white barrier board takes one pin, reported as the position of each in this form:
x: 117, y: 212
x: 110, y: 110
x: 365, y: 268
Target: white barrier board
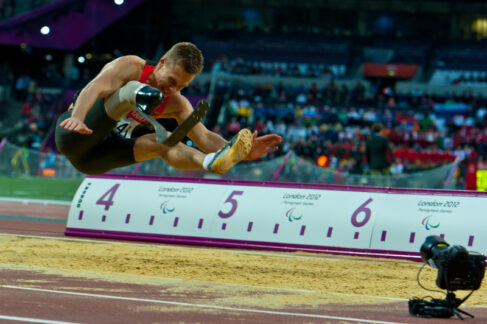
x: 355, y: 220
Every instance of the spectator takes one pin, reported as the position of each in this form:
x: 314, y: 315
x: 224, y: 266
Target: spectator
x: 21, y: 86
x: 378, y: 151
x: 233, y: 127
x: 259, y: 125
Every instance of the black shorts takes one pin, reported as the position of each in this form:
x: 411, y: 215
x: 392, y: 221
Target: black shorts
x: 99, y: 152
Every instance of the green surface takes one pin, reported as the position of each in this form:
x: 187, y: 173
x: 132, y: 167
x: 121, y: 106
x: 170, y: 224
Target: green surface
x: 39, y: 188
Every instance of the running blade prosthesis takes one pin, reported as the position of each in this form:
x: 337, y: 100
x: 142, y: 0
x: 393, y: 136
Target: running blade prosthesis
x: 150, y: 102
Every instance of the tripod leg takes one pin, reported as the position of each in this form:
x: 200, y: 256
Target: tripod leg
x: 463, y: 312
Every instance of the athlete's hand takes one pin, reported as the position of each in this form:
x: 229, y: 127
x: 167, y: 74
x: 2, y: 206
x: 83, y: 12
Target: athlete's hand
x: 263, y: 144
x: 75, y: 125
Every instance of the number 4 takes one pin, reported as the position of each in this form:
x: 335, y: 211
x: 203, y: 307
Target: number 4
x: 109, y: 200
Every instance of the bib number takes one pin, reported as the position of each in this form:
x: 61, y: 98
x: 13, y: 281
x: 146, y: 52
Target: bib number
x: 124, y: 128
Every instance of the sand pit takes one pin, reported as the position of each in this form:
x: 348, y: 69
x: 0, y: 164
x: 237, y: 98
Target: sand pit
x: 301, y: 278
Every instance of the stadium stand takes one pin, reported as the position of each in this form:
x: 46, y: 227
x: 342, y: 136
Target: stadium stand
x: 307, y: 86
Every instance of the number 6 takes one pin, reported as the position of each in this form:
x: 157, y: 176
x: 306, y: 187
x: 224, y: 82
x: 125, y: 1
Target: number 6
x: 362, y: 209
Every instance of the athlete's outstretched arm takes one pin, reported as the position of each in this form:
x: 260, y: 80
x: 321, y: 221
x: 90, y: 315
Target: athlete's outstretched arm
x: 208, y: 141
x: 113, y: 76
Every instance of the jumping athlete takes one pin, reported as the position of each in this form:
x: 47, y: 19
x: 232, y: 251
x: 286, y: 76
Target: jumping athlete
x: 96, y: 133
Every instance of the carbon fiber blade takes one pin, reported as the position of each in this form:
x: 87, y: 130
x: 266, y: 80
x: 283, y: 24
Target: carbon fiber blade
x: 196, y: 116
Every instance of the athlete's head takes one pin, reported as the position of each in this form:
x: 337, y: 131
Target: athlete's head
x: 178, y: 67
x: 187, y: 55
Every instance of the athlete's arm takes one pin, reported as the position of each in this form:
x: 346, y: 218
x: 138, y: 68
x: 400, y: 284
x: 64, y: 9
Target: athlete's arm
x: 112, y: 77
x: 180, y: 108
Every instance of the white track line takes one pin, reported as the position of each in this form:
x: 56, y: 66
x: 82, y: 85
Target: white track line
x: 235, y: 309
x: 36, y: 201
x: 31, y: 320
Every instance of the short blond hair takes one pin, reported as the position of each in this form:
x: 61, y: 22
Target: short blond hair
x: 187, y: 55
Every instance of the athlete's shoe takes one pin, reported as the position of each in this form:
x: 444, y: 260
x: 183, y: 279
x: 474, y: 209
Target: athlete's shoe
x: 147, y: 99
x: 233, y: 152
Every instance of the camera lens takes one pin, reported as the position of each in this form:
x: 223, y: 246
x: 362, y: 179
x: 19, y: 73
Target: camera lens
x: 428, y: 245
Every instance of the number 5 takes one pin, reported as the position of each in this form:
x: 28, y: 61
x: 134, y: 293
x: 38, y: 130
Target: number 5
x: 232, y: 201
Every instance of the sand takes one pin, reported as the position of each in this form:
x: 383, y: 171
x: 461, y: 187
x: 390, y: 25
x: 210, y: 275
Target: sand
x: 301, y: 278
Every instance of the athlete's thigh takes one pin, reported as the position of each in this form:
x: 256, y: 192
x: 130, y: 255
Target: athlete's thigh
x: 111, y: 153
x: 146, y: 147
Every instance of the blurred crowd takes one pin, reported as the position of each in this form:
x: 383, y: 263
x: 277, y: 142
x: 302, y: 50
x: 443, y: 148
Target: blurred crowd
x: 10, y: 8
x: 333, y: 121
x: 38, y: 115
x: 7, y: 8
x: 27, y: 113
x: 277, y: 69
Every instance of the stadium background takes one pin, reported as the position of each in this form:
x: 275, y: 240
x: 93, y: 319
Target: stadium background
x: 319, y: 73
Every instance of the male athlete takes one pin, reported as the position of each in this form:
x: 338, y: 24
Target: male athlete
x: 127, y: 89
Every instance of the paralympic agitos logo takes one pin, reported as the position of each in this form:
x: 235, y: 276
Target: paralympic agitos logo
x: 428, y: 224
x: 166, y: 209
x: 291, y: 215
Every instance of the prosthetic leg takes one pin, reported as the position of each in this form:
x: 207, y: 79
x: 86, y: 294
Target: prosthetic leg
x: 145, y: 99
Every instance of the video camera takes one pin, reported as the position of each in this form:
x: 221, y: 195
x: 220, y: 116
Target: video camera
x: 458, y: 269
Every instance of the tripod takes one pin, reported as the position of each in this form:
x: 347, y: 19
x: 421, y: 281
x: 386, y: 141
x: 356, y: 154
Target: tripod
x: 438, y: 308
x: 454, y: 302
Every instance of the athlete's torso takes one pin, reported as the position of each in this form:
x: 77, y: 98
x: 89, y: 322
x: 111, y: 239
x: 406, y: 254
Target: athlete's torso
x: 133, y: 120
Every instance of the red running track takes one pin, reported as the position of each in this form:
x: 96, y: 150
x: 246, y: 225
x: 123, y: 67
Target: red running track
x: 28, y: 296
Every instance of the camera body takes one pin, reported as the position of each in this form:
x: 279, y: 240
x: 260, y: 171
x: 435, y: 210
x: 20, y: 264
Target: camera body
x: 460, y: 269
x: 457, y: 267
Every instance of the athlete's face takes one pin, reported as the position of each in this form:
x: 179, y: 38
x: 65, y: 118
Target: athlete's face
x: 171, y: 78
